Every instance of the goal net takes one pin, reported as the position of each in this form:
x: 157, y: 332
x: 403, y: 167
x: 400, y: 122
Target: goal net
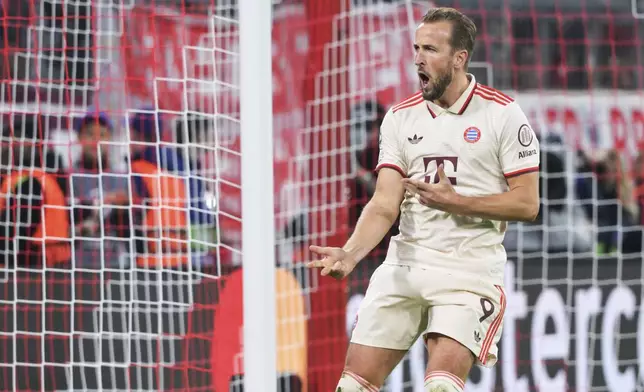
x: 120, y: 200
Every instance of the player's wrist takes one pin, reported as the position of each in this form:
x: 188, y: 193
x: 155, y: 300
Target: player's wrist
x: 461, y: 204
x: 352, y: 254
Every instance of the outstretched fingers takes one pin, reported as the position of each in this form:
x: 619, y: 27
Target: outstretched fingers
x: 321, y: 250
x: 327, y: 264
x: 315, y: 264
x: 331, y: 261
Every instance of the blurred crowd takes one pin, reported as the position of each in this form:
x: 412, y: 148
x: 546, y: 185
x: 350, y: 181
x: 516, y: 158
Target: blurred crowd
x: 556, y: 44
x: 85, y: 195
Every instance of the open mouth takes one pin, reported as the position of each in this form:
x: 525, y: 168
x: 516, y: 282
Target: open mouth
x: 424, y: 79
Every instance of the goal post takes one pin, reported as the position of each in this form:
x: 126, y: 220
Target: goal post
x: 258, y: 229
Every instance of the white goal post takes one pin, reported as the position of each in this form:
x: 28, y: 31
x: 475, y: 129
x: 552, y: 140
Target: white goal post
x: 258, y: 238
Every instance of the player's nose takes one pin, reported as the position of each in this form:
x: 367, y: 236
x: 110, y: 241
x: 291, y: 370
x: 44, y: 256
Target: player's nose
x: 418, y: 59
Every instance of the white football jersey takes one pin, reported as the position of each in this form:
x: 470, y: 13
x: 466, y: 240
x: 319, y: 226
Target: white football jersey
x: 481, y: 140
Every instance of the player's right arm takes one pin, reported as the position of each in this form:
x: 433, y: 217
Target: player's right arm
x: 378, y: 215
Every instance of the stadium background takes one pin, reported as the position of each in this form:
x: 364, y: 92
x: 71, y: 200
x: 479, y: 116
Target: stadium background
x: 574, y: 319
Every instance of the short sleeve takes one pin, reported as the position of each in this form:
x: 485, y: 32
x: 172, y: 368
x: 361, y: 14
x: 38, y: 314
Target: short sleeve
x: 519, y: 148
x: 391, y: 154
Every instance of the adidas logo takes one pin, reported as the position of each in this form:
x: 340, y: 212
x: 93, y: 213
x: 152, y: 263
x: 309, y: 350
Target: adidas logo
x: 415, y: 139
x: 477, y: 336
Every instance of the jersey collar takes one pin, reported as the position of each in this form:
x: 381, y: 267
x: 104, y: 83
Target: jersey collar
x: 461, y: 103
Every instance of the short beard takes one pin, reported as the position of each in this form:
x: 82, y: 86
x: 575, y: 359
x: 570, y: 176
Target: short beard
x: 439, y: 86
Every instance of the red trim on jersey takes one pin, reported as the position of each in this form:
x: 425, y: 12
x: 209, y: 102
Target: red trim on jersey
x: 494, y: 98
x: 391, y: 166
x: 364, y: 383
x: 493, y: 95
x: 453, y: 377
x: 407, y: 100
x: 495, y: 91
x: 521, y: 171
x: 431, y: 111
x: 409, y: 104
x: 494, y: 328
x: 467, y: 101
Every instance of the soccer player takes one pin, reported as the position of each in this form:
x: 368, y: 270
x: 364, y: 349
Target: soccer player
x: 457, y: 160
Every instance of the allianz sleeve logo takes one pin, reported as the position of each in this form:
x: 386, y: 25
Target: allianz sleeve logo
x: 527, y: 153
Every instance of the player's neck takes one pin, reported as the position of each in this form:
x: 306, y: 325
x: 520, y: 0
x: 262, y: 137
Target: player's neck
x: 454, y: 91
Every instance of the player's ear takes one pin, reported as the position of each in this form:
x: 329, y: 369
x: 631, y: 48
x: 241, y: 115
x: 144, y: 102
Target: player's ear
x: 460, y: 58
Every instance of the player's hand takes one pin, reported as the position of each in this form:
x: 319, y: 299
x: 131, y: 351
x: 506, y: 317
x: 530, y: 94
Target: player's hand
x: 440, y: 196
x: 335, y: 262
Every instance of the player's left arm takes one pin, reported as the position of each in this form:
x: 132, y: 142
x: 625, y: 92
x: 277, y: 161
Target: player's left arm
x: 519, y: 156
x: 519, y: 203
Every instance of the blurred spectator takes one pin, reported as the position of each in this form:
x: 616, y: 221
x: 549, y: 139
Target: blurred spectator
x: 552, y: 186
x: 366, y: 119
x: 34, y: 219
x: 47, y: 158
x: 561, y: 224
x: 94, y: 130
x: 638, y: 193
x: 584, y: 182
x: 65, y: 145
x: 638, y: 178
x: 97, y: 189
x: 617, y: 213
x: 627, y: 71
x: 145, y: 205
x: 191, y: 135
x: 146, y: 129
x: 159, y: 197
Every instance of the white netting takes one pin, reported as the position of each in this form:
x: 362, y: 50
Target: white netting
x: 162, y: 76
x: 145, y: 251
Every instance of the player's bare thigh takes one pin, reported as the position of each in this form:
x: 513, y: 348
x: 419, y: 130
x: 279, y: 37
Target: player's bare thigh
x: 374, y: 364
x: 448, y: 355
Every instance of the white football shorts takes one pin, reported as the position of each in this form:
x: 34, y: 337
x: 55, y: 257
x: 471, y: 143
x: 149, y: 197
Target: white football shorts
x: 403, y: 303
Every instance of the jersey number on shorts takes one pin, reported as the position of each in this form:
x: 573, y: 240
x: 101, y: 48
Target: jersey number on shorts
x: 433, y: 178
x: 488, y: 309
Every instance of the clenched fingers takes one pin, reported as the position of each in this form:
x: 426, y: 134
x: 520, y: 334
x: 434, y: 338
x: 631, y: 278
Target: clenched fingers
x: 324, y: 263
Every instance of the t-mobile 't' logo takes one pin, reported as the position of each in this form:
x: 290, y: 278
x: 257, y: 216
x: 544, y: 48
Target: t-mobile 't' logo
x: 433, y: 177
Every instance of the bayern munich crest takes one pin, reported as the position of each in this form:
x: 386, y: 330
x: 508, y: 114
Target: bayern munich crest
x: 472, y: 135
